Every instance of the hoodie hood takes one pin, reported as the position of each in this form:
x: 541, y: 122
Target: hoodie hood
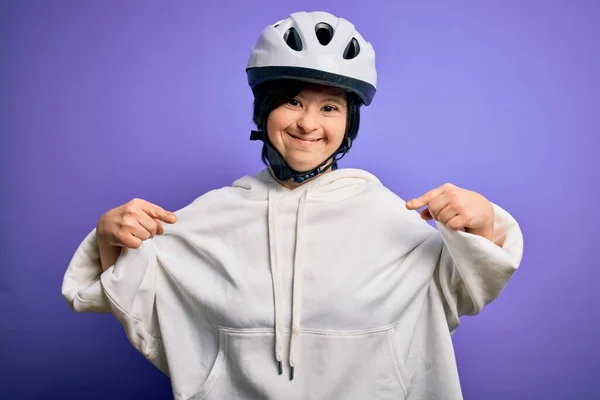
x: 331, y: 186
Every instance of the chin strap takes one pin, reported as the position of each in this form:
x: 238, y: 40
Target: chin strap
x: 284, y: 172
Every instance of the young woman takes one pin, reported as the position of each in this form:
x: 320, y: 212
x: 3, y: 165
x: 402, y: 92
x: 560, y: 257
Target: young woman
x: 303, y: 281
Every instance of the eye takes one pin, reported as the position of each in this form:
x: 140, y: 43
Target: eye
x: 329, y: 108
x: 294, y: 102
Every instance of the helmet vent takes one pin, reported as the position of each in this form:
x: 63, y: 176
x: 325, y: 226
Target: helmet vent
x: 324, y: 33
x: 292, y: 39
x: 352, y: 49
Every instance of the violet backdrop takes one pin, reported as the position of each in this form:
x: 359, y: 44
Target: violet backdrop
x: 104, y: 101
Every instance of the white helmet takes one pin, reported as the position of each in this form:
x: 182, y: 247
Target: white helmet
x: 315, y: 47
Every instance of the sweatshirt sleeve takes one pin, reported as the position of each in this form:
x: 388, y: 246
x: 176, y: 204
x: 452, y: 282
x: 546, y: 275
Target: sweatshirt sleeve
x: 473, y: 271
x: 81, y: 286
x: 127, y: 290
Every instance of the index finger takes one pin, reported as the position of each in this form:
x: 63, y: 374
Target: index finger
x: 159, y: 213
x: 424, y: 199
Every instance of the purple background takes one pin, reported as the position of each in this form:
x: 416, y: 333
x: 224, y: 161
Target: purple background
x: 104, y: 101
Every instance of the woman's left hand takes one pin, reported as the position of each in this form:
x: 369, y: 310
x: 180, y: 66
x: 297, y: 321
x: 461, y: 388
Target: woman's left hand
x: 458, y: 209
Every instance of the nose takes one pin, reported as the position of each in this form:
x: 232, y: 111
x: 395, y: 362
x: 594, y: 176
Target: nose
x: 308, y: 121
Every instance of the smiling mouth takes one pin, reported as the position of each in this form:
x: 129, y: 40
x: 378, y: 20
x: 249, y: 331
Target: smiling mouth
x: 304, y: 140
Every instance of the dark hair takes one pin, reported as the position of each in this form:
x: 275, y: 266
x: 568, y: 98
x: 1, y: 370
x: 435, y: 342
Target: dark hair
x: 271, y: 94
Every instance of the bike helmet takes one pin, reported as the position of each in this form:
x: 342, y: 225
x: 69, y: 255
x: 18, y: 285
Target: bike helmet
x: 315, y: 47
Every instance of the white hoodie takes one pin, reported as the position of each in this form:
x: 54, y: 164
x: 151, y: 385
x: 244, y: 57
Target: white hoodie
x: 335, y: 280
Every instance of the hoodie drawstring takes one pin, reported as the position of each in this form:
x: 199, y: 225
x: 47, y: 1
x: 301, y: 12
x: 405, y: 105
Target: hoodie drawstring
x: 294, y: 350
x: 276, y: 280
x: 297, y: 288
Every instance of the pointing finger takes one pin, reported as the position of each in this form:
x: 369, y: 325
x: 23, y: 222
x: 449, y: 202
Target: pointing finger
x: 159, y: 213
x: 424, y: 199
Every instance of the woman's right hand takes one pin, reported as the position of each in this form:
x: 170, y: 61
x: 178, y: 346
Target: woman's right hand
x: 132, y: 223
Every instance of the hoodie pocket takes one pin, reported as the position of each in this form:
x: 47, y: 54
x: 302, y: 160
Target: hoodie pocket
x: 354, y: 365
x: 332, y: 365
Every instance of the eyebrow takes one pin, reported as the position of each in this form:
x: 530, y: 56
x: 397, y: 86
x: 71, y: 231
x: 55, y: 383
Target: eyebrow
x: 335, y: 99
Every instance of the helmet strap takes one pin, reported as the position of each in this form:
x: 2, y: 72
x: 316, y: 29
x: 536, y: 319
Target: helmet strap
x: 283, y: 172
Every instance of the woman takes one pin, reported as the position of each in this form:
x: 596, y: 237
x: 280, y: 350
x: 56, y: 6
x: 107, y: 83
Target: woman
x: 304, y: 281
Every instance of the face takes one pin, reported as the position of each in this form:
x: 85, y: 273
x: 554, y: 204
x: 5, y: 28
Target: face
x: 310, y: 127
